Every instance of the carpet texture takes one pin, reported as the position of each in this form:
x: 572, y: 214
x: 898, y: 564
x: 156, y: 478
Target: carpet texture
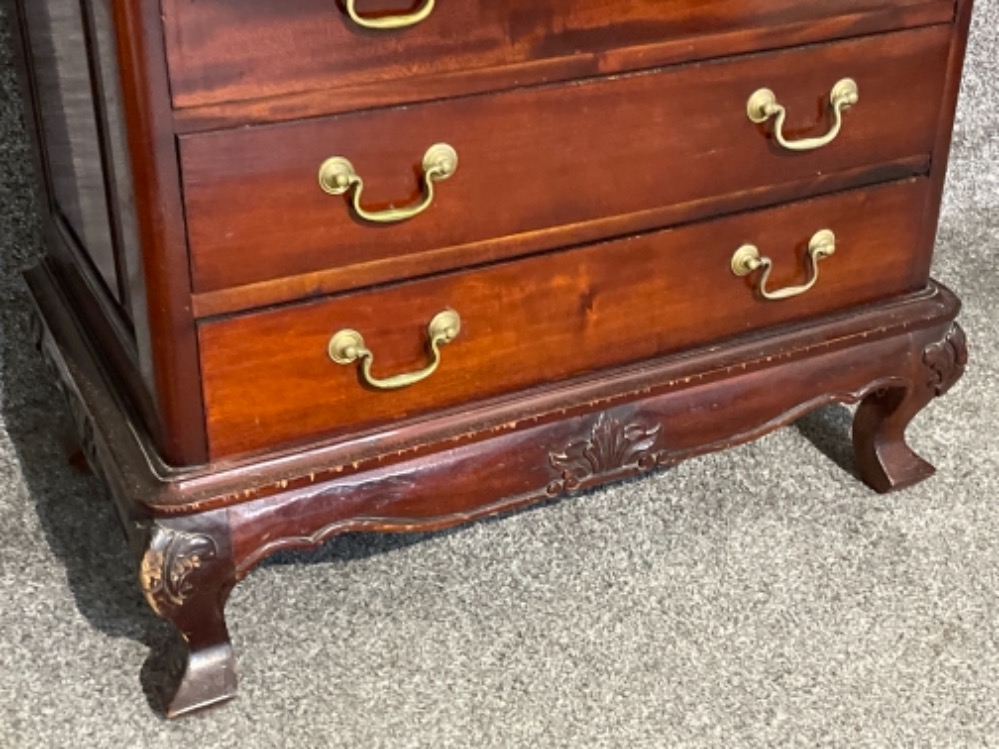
x: 757, y: 598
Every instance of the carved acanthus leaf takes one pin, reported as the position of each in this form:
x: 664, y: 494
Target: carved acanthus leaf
x: 170, y: 562
x: 946, y: 360
x: 612, y: 447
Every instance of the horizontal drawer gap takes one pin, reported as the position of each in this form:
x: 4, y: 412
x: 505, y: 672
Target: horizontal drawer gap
x: 536, y: 169
x: 282, y: 376
x: 296, y: 289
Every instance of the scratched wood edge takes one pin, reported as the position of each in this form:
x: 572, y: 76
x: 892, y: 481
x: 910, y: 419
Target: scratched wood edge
x: 146, y: 486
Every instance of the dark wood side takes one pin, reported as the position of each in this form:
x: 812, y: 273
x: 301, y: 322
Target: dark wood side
x: 96, y: 294
x: 165, y: 333
x: 147, y: 339
x: 104, y: 72
x: 66, y: 111
x: 533, y: 161
x: 222, y: 51
x: 269, y: 382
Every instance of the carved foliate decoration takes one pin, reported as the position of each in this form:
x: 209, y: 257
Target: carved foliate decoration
x: 612, y: 447
x: 946, y: 360
x: 169, y: 564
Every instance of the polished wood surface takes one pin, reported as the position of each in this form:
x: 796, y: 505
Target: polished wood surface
x: 355, y: 277
x: 268, y: 380
x: 227, y: 50
x: 106, y: 73
x: 164, y: 328
x: 544, y: 158
x: 892, y: 378
x: 99, y: 113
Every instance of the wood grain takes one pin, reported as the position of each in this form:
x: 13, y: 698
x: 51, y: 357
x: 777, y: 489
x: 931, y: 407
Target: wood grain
x: 537, y: 160
x: 237, y: 50
x: 66, y: 109
x: 161, y: 296
x: 268, y: 380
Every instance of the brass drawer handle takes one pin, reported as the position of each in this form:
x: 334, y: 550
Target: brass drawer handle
x: 347, y: 346
x: 747, y: 259
x: 390, y: 22
x: 337, y: 176
x: 763, y: 105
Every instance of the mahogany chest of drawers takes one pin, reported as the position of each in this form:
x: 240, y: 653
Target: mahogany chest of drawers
x: 386, y: 265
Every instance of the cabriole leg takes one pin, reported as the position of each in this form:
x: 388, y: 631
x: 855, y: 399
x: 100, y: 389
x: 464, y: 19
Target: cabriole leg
x: 883, y: 459
x: 186, y: 574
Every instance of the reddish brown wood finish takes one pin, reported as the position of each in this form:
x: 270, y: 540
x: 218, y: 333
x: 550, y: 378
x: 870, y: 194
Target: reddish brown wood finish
x: 334, y: 279
x: 163, y: 318
x: 268, y: 380
x: 174, y: 551
x: 464, y: 82
x: 229, y: 50
x: 883, y: 458
x: 581, y: 451
x: 544, y: 158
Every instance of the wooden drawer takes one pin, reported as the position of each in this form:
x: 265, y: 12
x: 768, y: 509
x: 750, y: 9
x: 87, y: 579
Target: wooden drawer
x: 232, y: 50
x: 268, y: 379
x: 536, y: 165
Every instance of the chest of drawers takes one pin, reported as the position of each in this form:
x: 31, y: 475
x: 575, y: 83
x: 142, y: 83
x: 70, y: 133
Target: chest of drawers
x: 387, y: 265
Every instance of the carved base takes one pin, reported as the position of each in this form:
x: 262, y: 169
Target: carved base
x: 198, y: 532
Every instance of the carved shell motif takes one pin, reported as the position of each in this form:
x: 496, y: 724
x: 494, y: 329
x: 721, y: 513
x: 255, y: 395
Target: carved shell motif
x: 612, y: 447
x: 167, y: 566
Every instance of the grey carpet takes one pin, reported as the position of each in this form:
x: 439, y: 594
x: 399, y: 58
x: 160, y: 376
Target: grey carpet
x: 757, y: 598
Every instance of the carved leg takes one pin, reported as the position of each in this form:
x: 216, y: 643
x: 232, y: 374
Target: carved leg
x: 186, y: 574
x: 884, y: 460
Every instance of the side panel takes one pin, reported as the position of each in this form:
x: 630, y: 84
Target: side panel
x: 67, y: 113
x: 98, y: 100
x: 117, y: 163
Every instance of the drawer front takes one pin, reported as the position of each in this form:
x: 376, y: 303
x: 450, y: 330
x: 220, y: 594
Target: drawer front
x: 269, y: 380
x: 234, y: 50
x: 537, y: 164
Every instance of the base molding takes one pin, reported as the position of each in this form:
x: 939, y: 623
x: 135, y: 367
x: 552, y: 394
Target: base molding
x: 197, y: 531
